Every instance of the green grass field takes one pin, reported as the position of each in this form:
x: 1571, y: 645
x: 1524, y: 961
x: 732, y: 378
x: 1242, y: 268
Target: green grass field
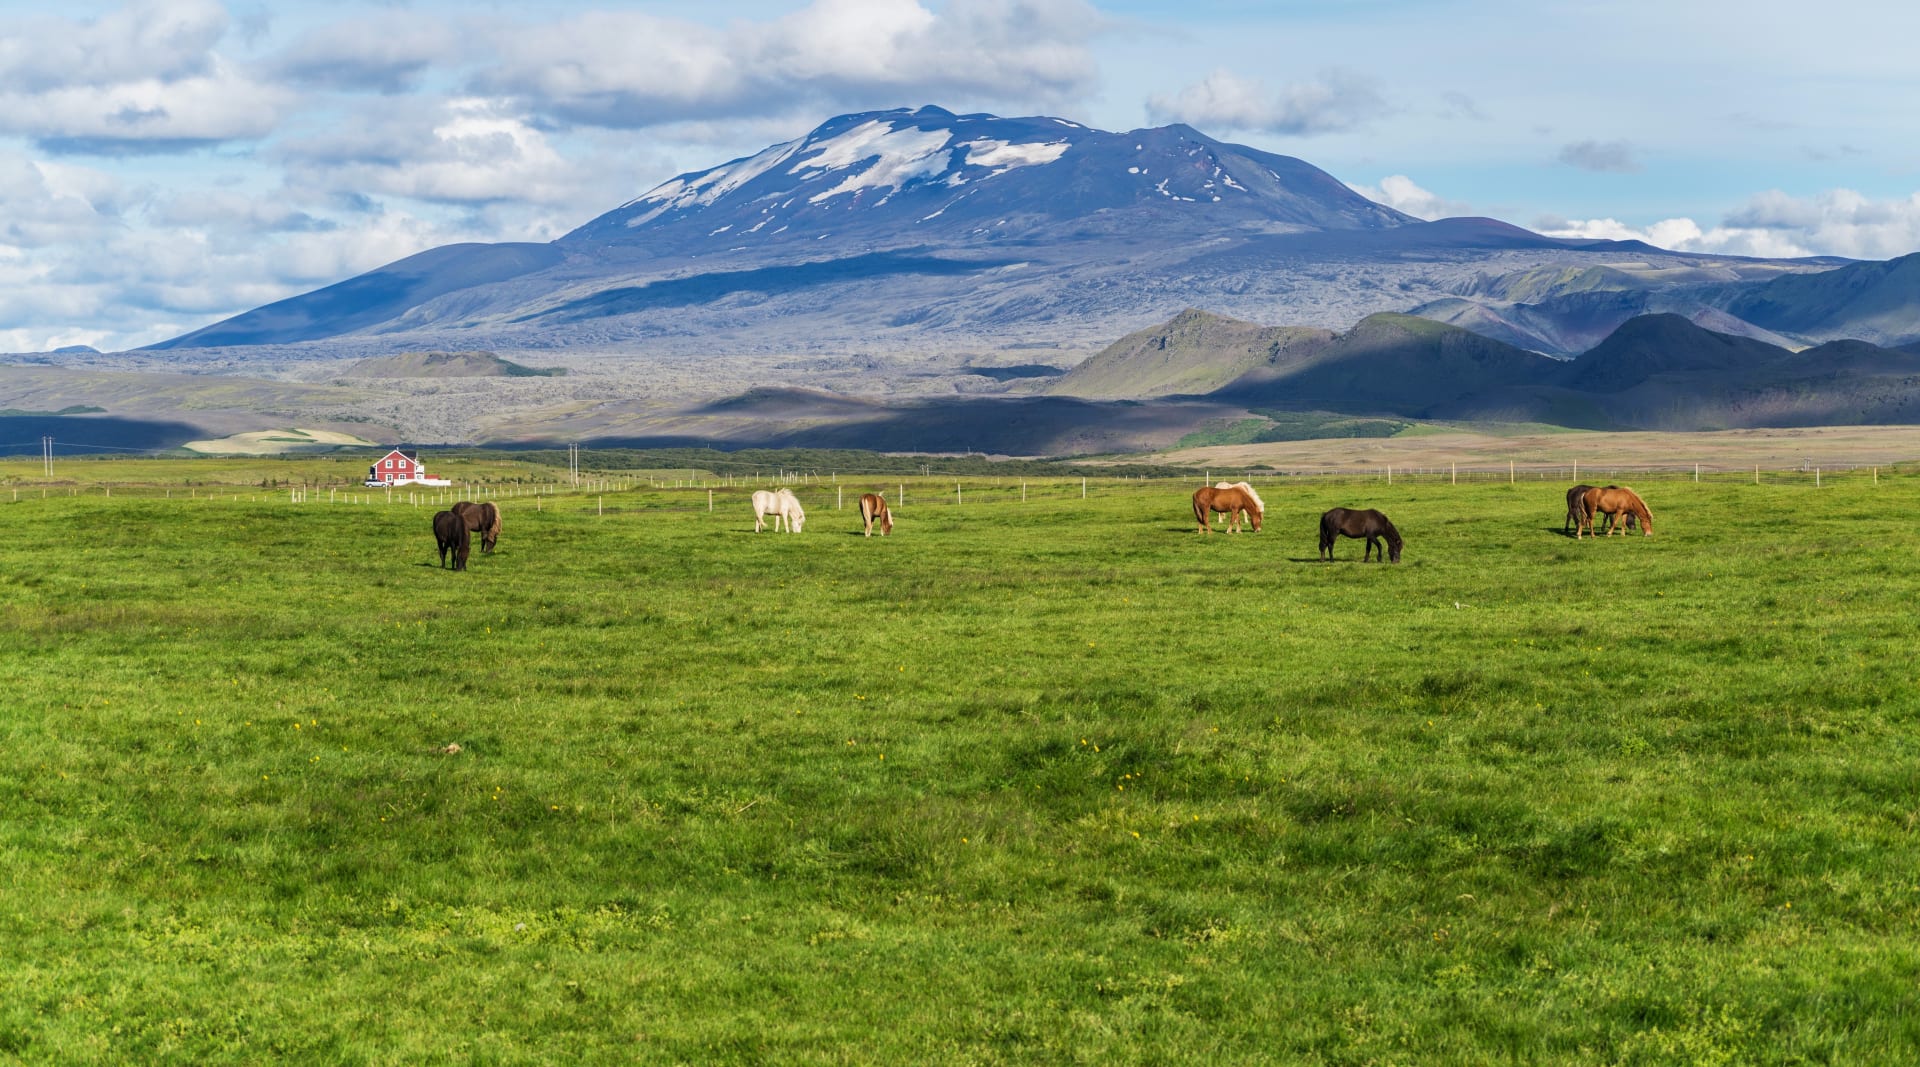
x: 1027, y: 782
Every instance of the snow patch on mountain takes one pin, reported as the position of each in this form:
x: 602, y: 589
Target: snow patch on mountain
x: 706, y: 187
x: 899, y: 155
x: 1006, y: 156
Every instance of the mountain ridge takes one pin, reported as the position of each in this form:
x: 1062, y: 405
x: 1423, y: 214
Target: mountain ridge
x: 922, y: 231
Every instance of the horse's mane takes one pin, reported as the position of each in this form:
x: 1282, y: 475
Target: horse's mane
x: 1247, y: 488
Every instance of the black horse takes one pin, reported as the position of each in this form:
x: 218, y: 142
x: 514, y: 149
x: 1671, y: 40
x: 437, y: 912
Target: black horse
x: 451, y: 531
x: 1370, y: 524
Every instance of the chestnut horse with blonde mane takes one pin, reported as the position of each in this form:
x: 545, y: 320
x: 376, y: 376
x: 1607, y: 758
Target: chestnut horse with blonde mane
x: 1235, y: 502
x: 1616, y: 501
x: 873, y: 508
x: 1247, y: 488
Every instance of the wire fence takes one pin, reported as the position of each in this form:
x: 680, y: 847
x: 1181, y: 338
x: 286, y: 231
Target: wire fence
x: 841, y: 489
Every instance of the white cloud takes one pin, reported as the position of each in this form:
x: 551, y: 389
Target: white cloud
x: 144, y: 78
x: 1607, y: 157
x: 627, y: 69
x: 157, y: 40
x: 42, y: 204
x: 387, y: 54
x: 461, y: 151
x: 1336, y: 101
x: 1839, y: 222
x: 1399, y: 192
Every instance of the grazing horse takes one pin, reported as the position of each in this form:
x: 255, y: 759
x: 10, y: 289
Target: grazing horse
x: 1575, y: 498
x: 1615, y: 501
x: 782, y: 505
x: 873, y: 507
x: 451, y: 532
x: 1235, y: 502
x: 1370, y: 524
x: 483, y: 519
x: 1247, y: 488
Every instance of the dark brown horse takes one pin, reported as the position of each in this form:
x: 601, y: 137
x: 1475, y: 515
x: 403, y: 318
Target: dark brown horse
x: 1370, y: 524
x: 483, y: 519
x: 451, y: 532
x: 1234, y: 501
x: 1574, y: 498
x: 873, y: 508
x: 1615, y: 501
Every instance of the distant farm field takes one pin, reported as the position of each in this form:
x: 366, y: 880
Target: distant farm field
x: 1046, y: 781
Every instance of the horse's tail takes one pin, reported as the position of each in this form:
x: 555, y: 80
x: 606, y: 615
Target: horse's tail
x: 1200, y: 499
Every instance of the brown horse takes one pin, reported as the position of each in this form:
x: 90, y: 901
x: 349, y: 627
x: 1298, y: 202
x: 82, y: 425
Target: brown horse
x: 483, y: 519
x: 451, y: 532
x: 1615, y: 501
x: 1575, y: 498
x: 873, y: 508
x: 1370, y: 524
x: 1247, y: 488
x: 1235, y: 502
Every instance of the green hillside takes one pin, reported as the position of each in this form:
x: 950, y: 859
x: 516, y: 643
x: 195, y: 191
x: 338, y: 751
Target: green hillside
x: 1194, y: 352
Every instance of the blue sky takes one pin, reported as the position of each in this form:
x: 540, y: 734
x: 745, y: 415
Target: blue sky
x: 166, y: 164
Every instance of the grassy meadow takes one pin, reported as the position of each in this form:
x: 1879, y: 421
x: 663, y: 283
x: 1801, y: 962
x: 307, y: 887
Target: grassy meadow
x: 1052, y: 781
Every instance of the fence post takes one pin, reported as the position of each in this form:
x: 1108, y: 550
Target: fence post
x: 601, y: 507
x: 1756, y: 474
x: 1083, y: 487
x: 1456, y: 472
x: 1696, y: 474
x: 1389, y: 474
x: 957, y: 501
x: 1816, y: 477
x: 709, y: 500
x: 1023, y: 488
x: 1509, y: 472
x: 903, y: 494
x: 836, y: 497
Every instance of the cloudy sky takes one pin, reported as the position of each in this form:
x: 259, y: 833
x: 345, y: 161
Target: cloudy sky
x: 165, y: 164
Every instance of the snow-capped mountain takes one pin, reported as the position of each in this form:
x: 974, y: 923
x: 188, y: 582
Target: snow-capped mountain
x: 920, y: 231
x: 932, y: 176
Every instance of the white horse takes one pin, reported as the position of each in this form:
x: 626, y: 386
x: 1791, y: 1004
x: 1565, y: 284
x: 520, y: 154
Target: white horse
x: 1247, y: 488
x: 782, y: 505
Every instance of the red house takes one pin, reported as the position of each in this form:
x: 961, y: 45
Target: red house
x: 401, y: 468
